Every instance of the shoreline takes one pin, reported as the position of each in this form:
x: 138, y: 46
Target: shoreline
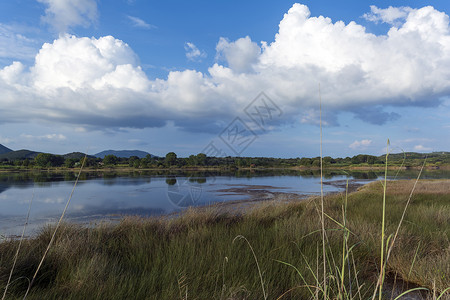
x: 253, y: 195
x: 258, y: 195
x: 225, y: 168
x: 277, y: 225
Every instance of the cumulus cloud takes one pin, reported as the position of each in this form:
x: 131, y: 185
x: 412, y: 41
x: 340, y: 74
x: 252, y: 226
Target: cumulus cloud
x: 193, y: 53
x: 97, y: 82
x: 139, y: 23
x: 85, y: 81
x: 80, y: 63
x: 391, y: 15
x: 360, y: 145
x: 64, y: 14
x: 240, y: 55
x: 12, y: 74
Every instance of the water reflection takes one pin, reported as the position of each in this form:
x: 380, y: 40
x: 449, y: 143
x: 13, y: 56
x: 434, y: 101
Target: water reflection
x: 23, y: 180
x: 110, y: 194
x: 171, y: 180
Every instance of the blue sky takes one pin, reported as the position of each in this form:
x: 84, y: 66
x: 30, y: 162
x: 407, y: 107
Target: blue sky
x: 160, y: 76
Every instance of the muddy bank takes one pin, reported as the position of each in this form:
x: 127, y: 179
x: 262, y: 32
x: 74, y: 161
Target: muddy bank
x: 353, y: 185
x: 256, y: 194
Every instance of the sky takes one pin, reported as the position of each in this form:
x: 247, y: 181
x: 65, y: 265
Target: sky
x: 239, y: 78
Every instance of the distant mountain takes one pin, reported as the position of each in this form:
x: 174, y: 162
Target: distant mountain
x: 3, y: 149
x: 123, y: 153
x: 19, y: 154
x: 77, y: 155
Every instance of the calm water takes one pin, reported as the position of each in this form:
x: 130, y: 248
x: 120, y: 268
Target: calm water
x: 110, y: 195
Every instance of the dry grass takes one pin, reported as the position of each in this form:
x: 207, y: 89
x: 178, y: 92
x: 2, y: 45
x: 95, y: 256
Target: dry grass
x: 429, y: 187
x: 156, y: 258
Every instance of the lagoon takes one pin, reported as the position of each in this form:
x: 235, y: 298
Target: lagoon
x: 112, y: 195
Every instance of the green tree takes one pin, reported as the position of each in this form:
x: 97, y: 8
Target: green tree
x: 201, y: 159
x: 70, y: 162
x: 238, y: 162
x: 145, y: 162
x: 363, y: 158
x: 316, y: 162
x: 88, y: 162
x: 371, y: 159
x: 132, y: 161
x: 49, y: 160
x: 110, y: 160
x: 171, y: 159
x: 137, y: 163
x: 192, y: 160
x: 328, y: 160
x: 305, y: 161
x: 26, y: 163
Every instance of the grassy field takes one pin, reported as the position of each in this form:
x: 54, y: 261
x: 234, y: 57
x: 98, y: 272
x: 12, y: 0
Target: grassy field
x: 208, y: 254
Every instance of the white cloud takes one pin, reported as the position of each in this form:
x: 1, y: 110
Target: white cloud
x: 50, y: 137
x: 93, y: 82
x: 14, y: 44
x: 390, y: 15
x: 193, y: 53
x: 63, y: 14
x: 360, y: 145
x: 12, y: 74
x: 80, y: 63
x: 422, y: 148
x: 240, y: 55
x: 356, y: 68
x: 139, y: 23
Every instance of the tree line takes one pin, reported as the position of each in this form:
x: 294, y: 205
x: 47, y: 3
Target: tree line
x: 171, y: 160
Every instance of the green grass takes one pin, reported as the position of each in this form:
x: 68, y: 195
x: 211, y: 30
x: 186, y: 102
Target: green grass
x: 194, y: 255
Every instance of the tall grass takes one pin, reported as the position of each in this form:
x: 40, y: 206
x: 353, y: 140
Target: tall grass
x: 18, y: 247
x: 322, y: 219
x: 383, y: 226
x: 335, y: 272
x: 54, y: 232
x: 152, y: 258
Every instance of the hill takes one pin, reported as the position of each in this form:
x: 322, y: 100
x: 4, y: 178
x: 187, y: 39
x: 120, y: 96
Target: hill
x: 76, y: 155
x: 4, y: 149
x: 418, y: 158
x: 414, y: 155
x: 123, y: 153
x: 19, y: 154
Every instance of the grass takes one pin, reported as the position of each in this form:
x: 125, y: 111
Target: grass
x: 197, y: 255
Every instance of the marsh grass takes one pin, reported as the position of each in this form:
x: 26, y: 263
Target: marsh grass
x: 322, y: 211
x: 184, y: 258
x: 18, y: 247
